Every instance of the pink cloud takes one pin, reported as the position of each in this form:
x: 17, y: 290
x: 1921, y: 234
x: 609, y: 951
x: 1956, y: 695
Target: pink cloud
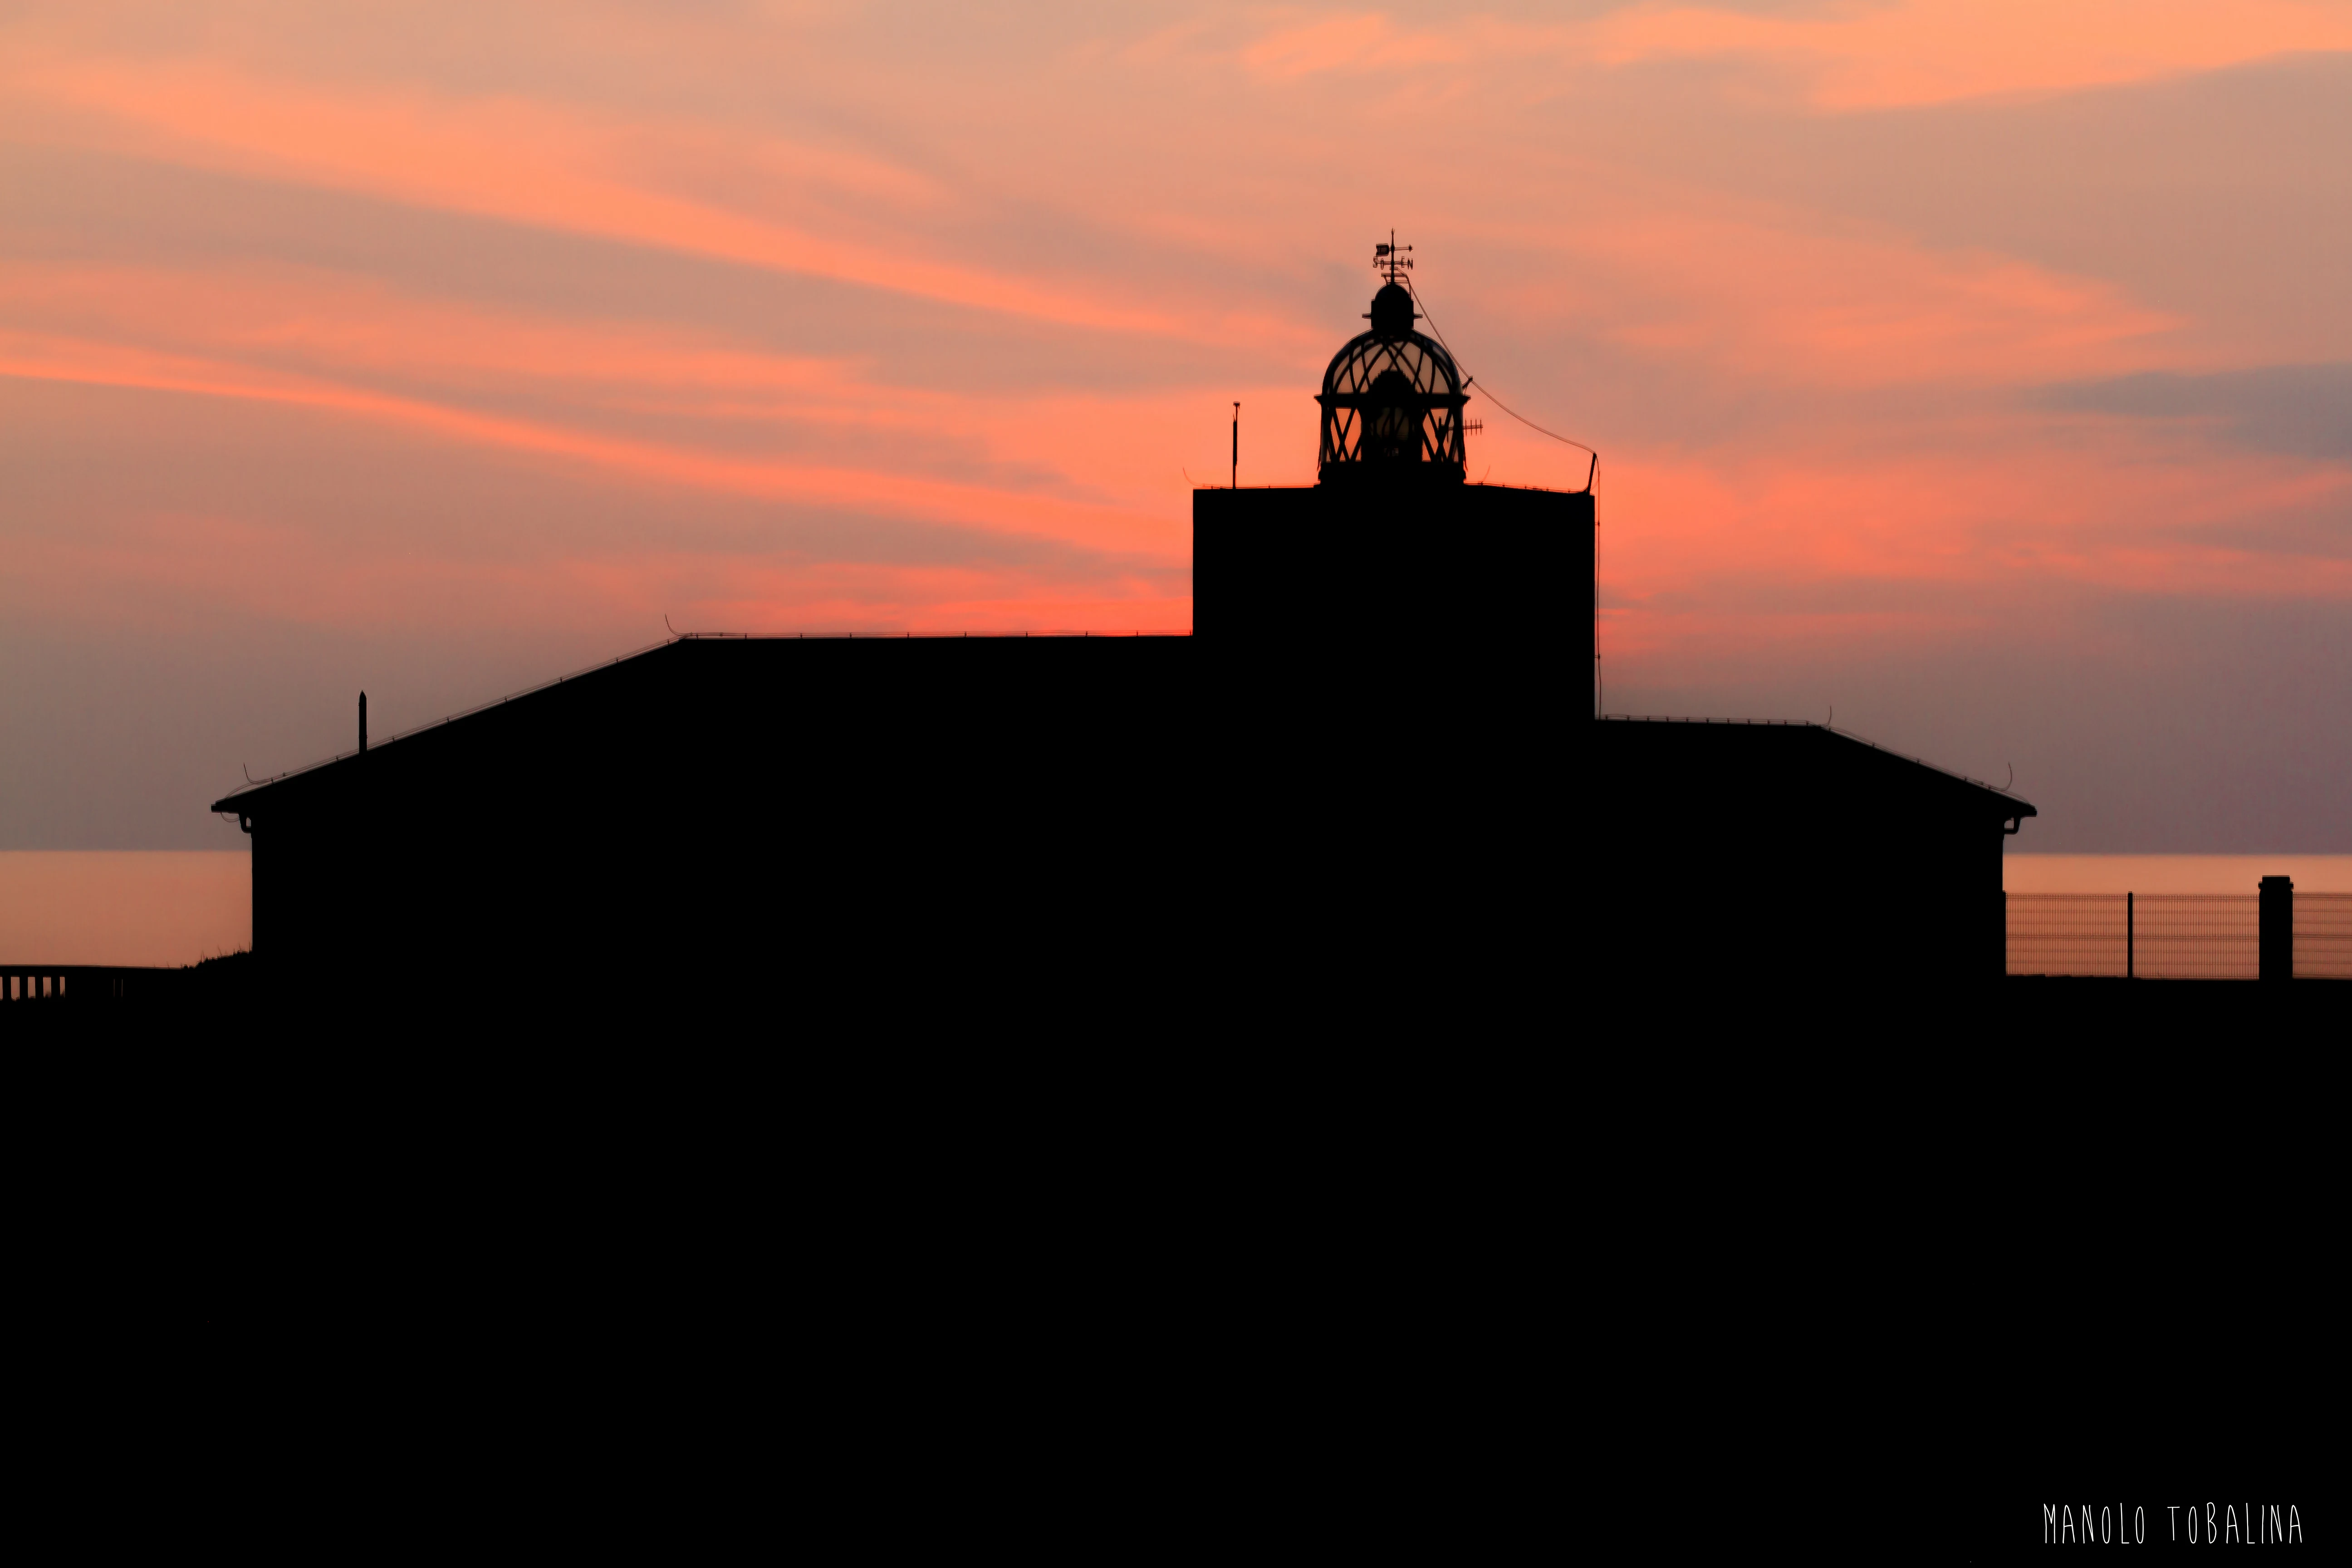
x: 572, y: 169
x: 1096, y: 526
x: 1931, y: 51
x: 1756, y: 295
x: 1700, y: 560
x: 1360, y: 42
x: 1824, y: 413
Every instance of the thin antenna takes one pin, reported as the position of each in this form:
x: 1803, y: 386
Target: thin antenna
x: 1237, y: 447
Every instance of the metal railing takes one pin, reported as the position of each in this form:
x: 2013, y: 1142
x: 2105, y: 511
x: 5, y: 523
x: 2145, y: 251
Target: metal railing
x: 74, y: 981
x: 2171, y: 936
x: 79, y: 984
x: 31, y: 985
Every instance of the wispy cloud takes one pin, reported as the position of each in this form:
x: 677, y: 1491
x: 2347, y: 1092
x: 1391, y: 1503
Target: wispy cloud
x: 573, y: 170
x: 1931, y: 51
x: 421, y: 315
x: 1364, y: 41
x: 2302, y: 410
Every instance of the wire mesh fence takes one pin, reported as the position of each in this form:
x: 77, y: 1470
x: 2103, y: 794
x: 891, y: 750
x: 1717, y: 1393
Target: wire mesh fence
x: 2069, y: 933
x: 2171, y: 936
x: 2198, y: 936
x: 2323, y: 935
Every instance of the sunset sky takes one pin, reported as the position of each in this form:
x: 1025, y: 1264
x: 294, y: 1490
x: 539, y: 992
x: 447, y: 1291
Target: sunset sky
x: 1980, y: 370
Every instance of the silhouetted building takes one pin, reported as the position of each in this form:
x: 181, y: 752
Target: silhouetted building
x: 1419, y: 637
x: 1386, y: 650
x: 1364, y: 779
x: 1390, y: 547
x: 790, y: 818
x: 1786, y: 856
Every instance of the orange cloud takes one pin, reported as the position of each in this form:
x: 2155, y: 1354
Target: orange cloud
x: 301, y: 335
x: 1930, y: 51
x: 302, y: 317
x: 566, y: 168
x: 31, y: 357
x: 1866, y: 56
x: 157, y: 570
x: 1356, y: 42
x: 1858, y: 309
x: 1692, y: 285
x: 1723, y: 555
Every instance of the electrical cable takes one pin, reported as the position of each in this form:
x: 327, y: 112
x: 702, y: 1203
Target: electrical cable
x: 1468, y: 380
x: 1600, y: 699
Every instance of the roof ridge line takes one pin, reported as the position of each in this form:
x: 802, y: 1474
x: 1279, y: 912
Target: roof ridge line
x: 1809, y: 724
x: 451, y: 718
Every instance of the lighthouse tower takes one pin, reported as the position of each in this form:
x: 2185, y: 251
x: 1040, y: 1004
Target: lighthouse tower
x: 1390, y: 536
x: 1391, y: 401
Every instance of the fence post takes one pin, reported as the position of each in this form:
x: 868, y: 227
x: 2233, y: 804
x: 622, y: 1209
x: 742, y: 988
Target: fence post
x: 2131, y: 936
x: 2277, y: 938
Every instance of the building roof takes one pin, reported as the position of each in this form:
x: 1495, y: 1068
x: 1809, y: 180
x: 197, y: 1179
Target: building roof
x: 708, y: 700
x: 1815, y: 759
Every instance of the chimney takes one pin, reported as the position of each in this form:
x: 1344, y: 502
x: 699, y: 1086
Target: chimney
x: 363, y: 721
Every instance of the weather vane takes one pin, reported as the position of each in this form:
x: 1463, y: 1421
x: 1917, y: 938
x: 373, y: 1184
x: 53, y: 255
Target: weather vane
x: 1392, y: 259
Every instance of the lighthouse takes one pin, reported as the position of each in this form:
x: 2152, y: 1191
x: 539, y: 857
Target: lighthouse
x: 1392, y: 535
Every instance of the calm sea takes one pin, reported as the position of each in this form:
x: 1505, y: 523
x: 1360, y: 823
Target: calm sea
x: 145, y: 906
x: 172, y: 906
x: 2172, y: 873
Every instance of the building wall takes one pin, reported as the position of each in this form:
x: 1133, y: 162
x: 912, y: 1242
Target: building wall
x: 1786, y: 858
x: 1409, y: 564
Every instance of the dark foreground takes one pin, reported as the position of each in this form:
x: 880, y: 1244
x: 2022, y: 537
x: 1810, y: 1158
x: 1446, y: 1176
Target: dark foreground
x: 1293, y: 1002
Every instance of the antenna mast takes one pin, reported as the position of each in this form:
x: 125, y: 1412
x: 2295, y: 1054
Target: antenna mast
x: 1392, y: 259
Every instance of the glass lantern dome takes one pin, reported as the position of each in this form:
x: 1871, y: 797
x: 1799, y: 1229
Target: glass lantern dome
x: 1392, y: 403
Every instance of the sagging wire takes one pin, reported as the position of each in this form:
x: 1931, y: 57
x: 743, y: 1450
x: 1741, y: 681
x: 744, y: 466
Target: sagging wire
x: 1592, y: 472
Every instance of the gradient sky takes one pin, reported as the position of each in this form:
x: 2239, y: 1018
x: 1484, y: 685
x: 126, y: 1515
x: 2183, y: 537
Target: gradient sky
x: 1980, y: 370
